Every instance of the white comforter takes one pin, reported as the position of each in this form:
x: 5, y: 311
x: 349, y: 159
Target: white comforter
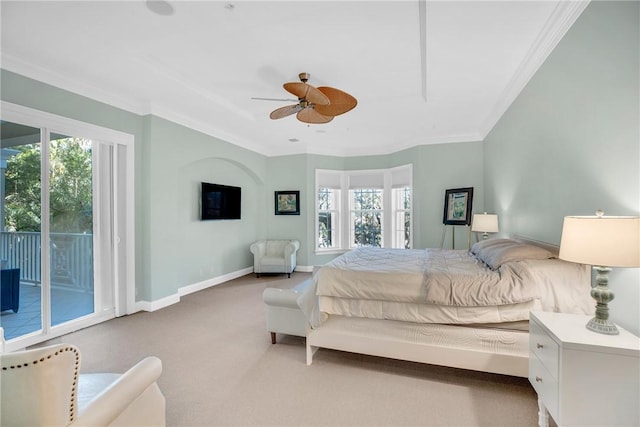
x: 447, y: 286
x: 436, y: 276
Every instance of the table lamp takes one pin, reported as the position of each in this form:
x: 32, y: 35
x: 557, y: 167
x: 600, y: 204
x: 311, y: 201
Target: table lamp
x: 602, y: 242
x: 485, y: 223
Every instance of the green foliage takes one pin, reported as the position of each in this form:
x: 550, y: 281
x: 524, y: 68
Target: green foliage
x: 22, y: 190
x: 70, y: 193
x: 367, y: 217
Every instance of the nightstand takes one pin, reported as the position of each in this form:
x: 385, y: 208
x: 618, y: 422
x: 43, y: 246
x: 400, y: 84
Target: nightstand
x: 583, y: 378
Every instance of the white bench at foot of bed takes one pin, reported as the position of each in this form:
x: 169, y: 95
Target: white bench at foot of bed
x: 480, y: 349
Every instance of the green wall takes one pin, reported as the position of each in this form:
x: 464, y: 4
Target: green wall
x: 183, y: 249
x: 570, y: 143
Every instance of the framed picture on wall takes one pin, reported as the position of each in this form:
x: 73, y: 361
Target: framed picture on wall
x: 287, y: 202
x: 457, y: 206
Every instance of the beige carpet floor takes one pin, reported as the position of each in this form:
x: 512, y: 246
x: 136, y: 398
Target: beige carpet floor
x: 220, y: 369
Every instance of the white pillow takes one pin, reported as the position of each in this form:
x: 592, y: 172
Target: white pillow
x: 482, y: 244
x: 510, y: 251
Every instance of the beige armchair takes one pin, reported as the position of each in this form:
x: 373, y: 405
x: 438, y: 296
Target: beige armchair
x: 44, y: 387
x: 274, y: 256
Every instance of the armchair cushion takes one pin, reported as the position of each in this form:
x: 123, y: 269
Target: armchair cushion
x: 274, y: 256
x: 130, y: 399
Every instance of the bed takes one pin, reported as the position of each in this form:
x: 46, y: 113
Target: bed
x: 457, y: 308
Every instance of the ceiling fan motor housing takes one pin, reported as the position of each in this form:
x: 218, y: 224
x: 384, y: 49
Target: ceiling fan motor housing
x: 304, y: 77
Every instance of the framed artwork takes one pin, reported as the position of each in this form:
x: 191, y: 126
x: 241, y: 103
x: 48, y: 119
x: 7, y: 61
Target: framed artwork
x: 287, y: 202
x: 457, y: 206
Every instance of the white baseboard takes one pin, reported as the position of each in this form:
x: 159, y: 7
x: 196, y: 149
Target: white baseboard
x: 156, y: 304
x: 189, y: 289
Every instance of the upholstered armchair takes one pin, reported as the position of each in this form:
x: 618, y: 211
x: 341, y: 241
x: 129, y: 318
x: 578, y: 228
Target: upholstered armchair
x: 274, y: 256
x: 44, y: 387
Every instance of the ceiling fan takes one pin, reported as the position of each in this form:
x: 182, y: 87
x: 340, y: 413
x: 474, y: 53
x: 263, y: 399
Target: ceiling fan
x: 315, y: 105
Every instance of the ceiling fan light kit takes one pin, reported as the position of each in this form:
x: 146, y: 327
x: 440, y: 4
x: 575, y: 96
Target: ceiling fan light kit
x: 316, y: 105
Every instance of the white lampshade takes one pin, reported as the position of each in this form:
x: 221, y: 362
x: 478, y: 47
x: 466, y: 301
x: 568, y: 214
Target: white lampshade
x: 485, y: 223
x: 608, y: 241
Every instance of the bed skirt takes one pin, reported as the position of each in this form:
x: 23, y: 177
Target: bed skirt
x: 500, y: 351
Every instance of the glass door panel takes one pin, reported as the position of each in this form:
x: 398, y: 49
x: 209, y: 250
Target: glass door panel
x: 20, y: 234
x: 71, y: 228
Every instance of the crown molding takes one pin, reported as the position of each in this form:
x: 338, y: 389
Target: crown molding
x: 46, y: 76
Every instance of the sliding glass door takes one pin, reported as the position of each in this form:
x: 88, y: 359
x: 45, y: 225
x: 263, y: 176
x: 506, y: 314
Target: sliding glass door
x: 47, y: 233
x: 62, y: 266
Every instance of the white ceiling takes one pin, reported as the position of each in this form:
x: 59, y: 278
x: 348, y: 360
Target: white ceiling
x: 202, y: 64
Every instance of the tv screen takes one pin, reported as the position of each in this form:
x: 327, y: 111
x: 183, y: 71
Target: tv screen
x: 220, y: 202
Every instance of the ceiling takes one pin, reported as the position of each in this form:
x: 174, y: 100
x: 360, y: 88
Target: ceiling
x: 422, y: 72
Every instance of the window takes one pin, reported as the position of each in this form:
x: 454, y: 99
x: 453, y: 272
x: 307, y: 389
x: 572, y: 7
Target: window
x: 402, y: 213
x: 328, y: 217
x: 363, y: 208
x: 367, y: 214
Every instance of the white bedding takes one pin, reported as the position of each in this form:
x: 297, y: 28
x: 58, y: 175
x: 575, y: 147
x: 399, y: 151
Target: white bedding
x: 426, y: 313
x: 447, y: 286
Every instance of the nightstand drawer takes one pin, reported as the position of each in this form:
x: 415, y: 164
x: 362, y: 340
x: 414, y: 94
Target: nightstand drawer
x: 544, y: 347
x: 545, y: 384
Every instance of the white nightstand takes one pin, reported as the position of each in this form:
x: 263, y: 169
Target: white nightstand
x: 583, y: 378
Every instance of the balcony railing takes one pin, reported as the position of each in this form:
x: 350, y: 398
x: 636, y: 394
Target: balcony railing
x: 71, y: 258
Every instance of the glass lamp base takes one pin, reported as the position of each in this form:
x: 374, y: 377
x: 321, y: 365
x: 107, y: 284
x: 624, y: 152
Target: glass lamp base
x: 602, y: 326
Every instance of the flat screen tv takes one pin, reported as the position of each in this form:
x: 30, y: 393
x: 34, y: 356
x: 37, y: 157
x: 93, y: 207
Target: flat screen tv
x: 220, y: 202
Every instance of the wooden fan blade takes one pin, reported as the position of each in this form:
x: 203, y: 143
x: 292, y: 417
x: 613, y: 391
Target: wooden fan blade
x: 307, y: 92
x: 309, y: 115
x: 285, y: 111
x: 339, y: 102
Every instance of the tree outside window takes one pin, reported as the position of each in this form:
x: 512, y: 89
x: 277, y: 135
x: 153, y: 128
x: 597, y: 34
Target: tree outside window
x: 70, y: 183
x: 366, y: 217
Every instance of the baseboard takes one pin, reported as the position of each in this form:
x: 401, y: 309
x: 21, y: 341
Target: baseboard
x: 189, y: 289
x: 156, y: 304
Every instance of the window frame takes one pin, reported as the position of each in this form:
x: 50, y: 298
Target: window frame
x: 335, y: 219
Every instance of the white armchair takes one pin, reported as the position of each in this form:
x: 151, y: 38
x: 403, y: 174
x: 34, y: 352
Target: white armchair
x: 274, y: 256
x: 43, y: 387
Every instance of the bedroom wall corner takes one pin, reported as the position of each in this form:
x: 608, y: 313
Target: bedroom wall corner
x: 289, y: 173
